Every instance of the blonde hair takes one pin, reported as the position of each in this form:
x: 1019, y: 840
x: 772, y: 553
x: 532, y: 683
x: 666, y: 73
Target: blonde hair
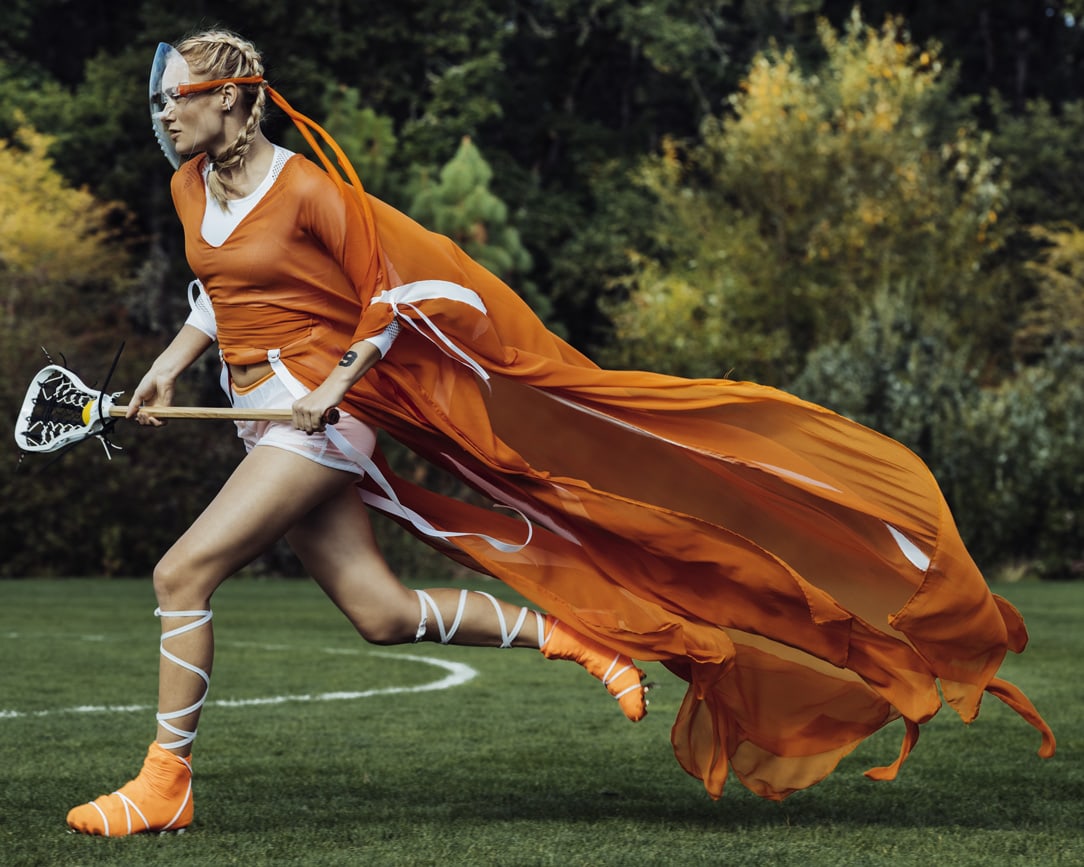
x: 221, y: 54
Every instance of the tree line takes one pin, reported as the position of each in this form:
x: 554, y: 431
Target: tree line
x: 874, y: 206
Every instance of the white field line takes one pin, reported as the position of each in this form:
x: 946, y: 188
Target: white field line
x: 457, y: 674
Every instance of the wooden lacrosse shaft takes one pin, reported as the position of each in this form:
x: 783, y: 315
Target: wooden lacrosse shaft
x: 330, y: 417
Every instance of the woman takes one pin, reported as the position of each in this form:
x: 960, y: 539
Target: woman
x: 294, y: 481
x: 801, y: 572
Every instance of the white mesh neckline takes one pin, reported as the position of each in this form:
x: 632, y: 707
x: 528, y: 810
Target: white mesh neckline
x: 218, y: 225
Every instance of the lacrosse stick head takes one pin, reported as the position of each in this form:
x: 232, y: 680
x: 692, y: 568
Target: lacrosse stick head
x: 59, y: 410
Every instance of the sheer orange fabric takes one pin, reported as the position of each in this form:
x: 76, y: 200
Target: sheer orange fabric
x: 758, y: 546
x: 801, y: 572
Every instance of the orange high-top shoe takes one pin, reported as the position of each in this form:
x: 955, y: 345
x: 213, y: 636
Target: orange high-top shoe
x: 617, y: 672
x: 159, y: 799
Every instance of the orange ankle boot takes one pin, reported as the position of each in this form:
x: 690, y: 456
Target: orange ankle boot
x: 617, y: 672
x: 159, y: 799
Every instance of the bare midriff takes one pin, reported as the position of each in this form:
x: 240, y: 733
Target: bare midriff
x: 244, y: 375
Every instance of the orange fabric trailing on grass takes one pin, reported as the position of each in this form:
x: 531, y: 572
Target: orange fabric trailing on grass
x: 801, y: 572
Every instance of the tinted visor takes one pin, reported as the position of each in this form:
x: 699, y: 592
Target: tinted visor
x: 168, y: 71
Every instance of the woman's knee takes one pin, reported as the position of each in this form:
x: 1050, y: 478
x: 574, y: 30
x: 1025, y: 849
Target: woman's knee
x: 180, y: 585
x: 395, y: 623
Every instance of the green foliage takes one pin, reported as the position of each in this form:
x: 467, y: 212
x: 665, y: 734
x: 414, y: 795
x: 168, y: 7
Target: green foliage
x: 27, y: 96
x: 64, y: 258
x: 588, y: 88
x: 819, y: 188
x: 1042, y: 148
x: 1018, y: 467
x: 1055, y: 317
x: 367, y: 138
x: 462, y: 101
x: 1018, y: 48
x: 898, y: 372
x: 849, y: 179
x: 460, y: 204
x: 15, y: 21
x: 1008, y: 457
x: 670, y: 37
x: 594, y: 259
x: 108, y: 114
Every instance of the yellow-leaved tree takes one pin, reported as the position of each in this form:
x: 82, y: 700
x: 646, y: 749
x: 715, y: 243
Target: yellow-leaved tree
x: 1055, y: 317
x: 819, y: 190
x: 63, y: 266
x: 55, y: 240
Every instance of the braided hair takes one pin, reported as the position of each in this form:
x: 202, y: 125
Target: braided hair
x: 222, y: 54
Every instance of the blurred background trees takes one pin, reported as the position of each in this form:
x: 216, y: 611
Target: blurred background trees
x: 874, y: 205
x: 822, y: 186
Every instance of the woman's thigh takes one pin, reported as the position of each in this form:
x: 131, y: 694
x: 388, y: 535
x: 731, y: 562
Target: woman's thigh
x: 270, y: 491
x: 335, y: 543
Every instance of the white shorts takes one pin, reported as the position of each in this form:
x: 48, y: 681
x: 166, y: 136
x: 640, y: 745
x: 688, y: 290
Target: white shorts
x: 272, y: 394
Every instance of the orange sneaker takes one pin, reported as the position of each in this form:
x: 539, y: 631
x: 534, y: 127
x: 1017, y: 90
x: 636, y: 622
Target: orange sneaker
x: 159, y: 799
x: 617, y: 672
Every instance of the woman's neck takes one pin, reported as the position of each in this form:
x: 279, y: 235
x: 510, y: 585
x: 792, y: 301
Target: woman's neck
x: 246, y: 177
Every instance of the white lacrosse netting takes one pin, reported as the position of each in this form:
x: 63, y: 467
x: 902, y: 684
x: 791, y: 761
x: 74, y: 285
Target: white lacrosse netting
x: 60, y: 410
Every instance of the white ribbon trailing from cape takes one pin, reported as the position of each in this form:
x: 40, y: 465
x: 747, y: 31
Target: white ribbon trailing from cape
x: 409, y: 294
x: 406, y: 295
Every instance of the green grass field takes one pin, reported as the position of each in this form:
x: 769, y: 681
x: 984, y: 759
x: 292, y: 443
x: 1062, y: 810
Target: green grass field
x: 315, y: 751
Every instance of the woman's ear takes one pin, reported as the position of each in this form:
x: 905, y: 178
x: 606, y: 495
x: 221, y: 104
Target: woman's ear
x: 229, y: 96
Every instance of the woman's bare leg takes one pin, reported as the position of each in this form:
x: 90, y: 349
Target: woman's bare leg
x: 270, y: 490
x: 335, y: 542
x: 275, y: 493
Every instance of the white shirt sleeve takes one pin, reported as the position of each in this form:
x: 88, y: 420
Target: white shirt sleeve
x: 385, y: 338
x: 203, y: 314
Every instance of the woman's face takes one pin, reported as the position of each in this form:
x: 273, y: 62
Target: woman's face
x: 194, y: 122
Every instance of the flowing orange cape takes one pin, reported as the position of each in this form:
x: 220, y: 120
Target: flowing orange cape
x: 801, y: 572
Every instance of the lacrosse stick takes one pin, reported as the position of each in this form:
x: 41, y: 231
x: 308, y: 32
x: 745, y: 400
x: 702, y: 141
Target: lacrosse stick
x: 59, y: 410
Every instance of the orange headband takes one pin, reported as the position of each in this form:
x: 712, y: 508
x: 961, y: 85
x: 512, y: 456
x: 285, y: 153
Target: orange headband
x: 201, y: 86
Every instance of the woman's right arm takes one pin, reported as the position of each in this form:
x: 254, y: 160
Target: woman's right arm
x: 156, y: 387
